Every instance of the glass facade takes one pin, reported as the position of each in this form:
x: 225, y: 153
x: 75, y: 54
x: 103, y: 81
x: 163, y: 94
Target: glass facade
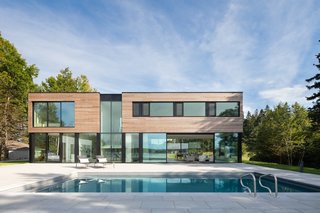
x: 132, y: 147
x: 39, y: 147
x: 194, y: 109
x: 226, y: 147
x: 53, y: 114
x: 227, y: 109
x: 40, y: 118
x: 190, y: 147
x: 53, y: 147
x: 68, y: 148
x: 161, y: 109
x: 111, y: 136
x: 154, y: 147
x: 87, y: 145
x: 67, y: 114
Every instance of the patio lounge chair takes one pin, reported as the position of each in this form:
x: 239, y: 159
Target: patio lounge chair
x: 83, y: 160
x: 101, y: 159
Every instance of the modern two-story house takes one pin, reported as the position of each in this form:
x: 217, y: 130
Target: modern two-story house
x: 136, y: 127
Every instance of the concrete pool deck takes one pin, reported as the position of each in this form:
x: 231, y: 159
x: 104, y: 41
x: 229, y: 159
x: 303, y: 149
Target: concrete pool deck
x: 16, y: 176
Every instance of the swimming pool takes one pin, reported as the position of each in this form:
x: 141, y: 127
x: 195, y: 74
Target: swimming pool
x: 129, y: 184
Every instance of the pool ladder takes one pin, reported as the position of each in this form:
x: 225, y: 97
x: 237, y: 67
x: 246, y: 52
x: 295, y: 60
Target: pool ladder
x: 275, y: 194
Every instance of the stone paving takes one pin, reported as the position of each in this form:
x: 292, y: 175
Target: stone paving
x: 14, y: 177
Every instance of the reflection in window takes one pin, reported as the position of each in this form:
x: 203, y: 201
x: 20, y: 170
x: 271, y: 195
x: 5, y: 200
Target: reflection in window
x: 87, y: 144
x: 161, y: 109
x: 39, y: 142
x: 178, y: 109
x: 132, y: 147
x: 154, y: 147
x: 54, y: 114
x: 67, y: 114
x: 106, y: 116
x: 116, y: 116
x: 227, y: 109
x: 68, y: 142
x: 226, y: 147
x: 194, y: 109
x: 40, y: 114
x: 211, y: 109
x: 111, y: 147
x: 53, y: 147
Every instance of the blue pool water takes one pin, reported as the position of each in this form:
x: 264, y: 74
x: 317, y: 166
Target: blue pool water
x: 169, y: 184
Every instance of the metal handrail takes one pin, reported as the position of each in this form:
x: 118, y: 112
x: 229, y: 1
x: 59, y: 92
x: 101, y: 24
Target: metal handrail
x: 275, y: 184
x: 254, y: 184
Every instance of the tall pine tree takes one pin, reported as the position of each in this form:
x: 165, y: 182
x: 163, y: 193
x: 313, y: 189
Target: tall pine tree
x: 314, y: 84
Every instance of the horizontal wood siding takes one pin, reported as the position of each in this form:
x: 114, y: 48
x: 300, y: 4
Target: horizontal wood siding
x: 180, y: 124
x: 87, y: 111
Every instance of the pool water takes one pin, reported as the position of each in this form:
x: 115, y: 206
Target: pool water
x: 170, y: 184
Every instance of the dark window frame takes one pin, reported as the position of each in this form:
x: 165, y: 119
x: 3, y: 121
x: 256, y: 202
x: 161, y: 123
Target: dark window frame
x: 207, y: 109
x: 238, y: 102
x: 47, y: 116
x: 140, y: 109
x: 175, y: 114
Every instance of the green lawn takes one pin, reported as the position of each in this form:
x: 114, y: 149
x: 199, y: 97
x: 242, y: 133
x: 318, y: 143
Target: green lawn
x: 284, y: 167
x: 8, y: 163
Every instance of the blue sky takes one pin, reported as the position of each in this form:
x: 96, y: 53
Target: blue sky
x: 264, y: 48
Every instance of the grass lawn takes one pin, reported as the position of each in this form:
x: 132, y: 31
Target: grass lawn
x: 8, y: 163
x: 284, y: 167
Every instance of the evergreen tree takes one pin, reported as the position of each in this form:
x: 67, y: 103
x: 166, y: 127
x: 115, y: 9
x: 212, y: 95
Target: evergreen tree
x: 314, y: 84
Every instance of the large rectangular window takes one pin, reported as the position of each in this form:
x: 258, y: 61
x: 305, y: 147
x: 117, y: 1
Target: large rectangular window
x: 194, y: 109
x: 226, y: 147
x: 40, y: 112
x: 154, y: 147
x: 68, y: 145
x: 141, y: 109
x: 227, y: 109
x: 87, y: 144
x: 53, y: 114
x: 67, y: 114
x: 132, y: 147
x: 186, y: 109
x: 161, y: 109
x: 111, y: 147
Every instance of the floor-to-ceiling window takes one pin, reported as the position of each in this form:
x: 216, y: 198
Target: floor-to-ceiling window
x: 68, y: 146
x: 132, y: 147
x: 39, y: 141
x: 190, y: 147
x: 111, y: 136
x: 53, y: 147
x: 226, y: 147
x: 87, y: 144
x: 154, y: 147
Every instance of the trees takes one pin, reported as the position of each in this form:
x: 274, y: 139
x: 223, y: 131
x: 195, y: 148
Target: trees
x: 64, y: 82
x: 314, y: 111
x: 278, y: 134
x: 16, y: 80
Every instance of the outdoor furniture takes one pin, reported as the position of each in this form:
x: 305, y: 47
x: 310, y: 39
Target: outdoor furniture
x: 83, y: 160
x: 101, y: 159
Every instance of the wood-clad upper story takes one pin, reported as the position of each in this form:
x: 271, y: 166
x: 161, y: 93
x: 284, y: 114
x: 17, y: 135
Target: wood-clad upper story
x: 180, y: 124
x: 86, y: 111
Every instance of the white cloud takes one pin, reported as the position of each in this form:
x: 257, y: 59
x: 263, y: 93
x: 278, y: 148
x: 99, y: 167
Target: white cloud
x: 297, y: 93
